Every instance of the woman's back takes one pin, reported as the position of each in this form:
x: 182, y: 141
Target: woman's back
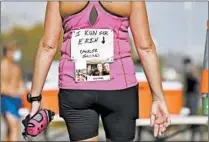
x: 91, y: 30
x: 118, y: 8
x: 96, y: 32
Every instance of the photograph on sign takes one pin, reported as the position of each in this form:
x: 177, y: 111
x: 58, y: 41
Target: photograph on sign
x: 97, y: 70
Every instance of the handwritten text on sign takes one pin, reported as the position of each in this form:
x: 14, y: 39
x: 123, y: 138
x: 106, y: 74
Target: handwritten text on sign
x: 87, y: 44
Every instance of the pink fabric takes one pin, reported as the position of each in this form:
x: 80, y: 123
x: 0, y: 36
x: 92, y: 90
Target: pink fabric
x: 33, y: 131
x: 122, y: 70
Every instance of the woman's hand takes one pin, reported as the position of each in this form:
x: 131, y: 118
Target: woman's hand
x: 160, y: 118
x: 35, y: 107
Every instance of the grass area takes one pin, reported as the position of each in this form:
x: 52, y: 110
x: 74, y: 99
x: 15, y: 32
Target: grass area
x: 62, y: 124
x: 57, y: 124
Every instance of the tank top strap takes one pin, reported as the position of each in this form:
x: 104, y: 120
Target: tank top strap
x: 100, y: 8
x: 94, y: 3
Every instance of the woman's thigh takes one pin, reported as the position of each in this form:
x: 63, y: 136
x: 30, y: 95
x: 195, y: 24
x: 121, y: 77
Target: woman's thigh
x: 81, y: 118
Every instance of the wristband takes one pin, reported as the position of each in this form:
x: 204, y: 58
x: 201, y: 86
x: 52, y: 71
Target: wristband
x: 32, y: 99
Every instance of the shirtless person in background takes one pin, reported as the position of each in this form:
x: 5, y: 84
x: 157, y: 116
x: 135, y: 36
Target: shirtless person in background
x: 12, y: 86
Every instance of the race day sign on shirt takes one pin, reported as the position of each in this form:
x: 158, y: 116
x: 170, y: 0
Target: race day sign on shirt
x: 92, y: 50
x: 87, y: 44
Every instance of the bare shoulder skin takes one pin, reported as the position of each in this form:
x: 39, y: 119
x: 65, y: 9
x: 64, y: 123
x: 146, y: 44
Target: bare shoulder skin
x: 119, y: 8
x: 11, y: 80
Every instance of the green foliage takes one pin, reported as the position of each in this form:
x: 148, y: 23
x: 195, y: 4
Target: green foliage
x: 162, y: 62
x: 28, y: 41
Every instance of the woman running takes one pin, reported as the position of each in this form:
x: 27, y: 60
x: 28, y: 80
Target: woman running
x: 98, y: 31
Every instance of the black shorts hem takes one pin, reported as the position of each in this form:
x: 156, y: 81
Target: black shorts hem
x: 84, y: 137
x: 121, y: 139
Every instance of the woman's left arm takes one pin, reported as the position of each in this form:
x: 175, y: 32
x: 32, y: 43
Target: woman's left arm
x: 146, y: 48
x: 147, y: 53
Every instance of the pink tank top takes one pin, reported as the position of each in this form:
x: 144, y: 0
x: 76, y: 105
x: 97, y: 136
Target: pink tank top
x: 122, y: 71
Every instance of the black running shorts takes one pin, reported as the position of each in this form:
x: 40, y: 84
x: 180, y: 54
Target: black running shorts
x: 81, y: 110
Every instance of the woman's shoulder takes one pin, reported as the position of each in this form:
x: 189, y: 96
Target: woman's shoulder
x: 119, y: 8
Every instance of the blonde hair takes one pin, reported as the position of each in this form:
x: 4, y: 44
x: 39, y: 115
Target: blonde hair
x: 11, y: 45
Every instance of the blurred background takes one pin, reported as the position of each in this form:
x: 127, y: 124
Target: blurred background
x: 178, y: 30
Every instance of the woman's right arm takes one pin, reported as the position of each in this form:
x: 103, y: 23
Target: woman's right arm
x: 47, y: 49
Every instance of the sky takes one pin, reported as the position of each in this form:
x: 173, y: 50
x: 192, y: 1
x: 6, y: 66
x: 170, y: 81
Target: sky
x: 176, y: 27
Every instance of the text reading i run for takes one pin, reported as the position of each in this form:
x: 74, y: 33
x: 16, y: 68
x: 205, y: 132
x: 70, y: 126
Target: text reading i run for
x: 91, y: 33
x: 87, y: 32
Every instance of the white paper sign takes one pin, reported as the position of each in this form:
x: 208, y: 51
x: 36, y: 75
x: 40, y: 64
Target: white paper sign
x: 87, y: 44
x: 92, y: 51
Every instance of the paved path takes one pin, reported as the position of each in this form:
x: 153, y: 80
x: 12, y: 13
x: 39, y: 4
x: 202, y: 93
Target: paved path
x: 60, y: 134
